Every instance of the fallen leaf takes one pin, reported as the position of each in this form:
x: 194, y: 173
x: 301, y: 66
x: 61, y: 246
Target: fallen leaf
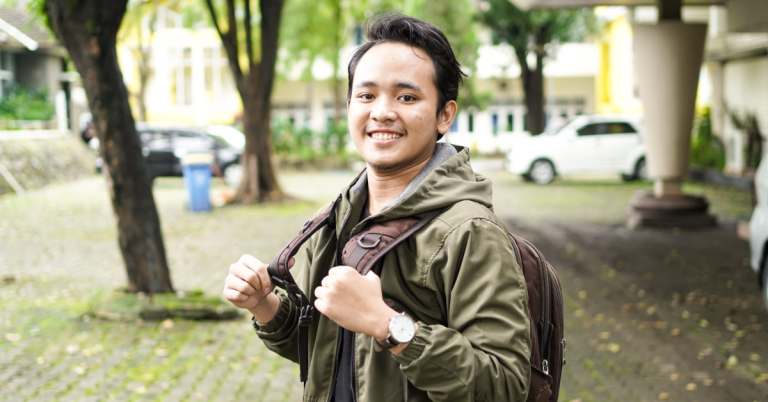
x: 614, y: 347
x: 12, y: 337
x: 703, y: 323
x: 605, y: 335
x: 691, y: 386
x: 707, y: 383
x: 731, y: 362
x: 663, y: 396
x: 754, y: 357
x: 167, y: 324
x: 161, y: 352
x: 674, y: 376
x: 675, y: 332
x: 40, y: 360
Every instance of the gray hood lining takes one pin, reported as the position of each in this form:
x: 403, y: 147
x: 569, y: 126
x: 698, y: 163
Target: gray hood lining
x: 443, y: 152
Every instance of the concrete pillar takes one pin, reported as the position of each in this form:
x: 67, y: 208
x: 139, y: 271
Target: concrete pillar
x: 668, y: 57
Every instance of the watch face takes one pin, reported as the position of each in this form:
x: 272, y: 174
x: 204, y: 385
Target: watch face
x: 402, y: 328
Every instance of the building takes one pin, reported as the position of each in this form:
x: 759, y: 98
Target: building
x: 190, y: 82
x: 31, y: 58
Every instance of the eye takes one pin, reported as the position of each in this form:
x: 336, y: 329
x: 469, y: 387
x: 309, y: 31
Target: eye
x: 365, y: 96
x: 408, y: 98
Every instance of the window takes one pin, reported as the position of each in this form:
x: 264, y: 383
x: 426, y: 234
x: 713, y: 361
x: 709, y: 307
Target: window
x: 156, y: 140
x: 619, y: 128
x: 181, y: 76
x: 606, y: 129
x: 592, y: 129
x: 190, y: 142
x: 510, y: 122
x: 495, y: 125
x: 471, y: 123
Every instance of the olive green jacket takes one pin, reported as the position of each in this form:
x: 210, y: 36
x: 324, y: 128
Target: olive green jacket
x: 457, y: 276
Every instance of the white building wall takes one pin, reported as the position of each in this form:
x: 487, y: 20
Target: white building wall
x: 745, y: 89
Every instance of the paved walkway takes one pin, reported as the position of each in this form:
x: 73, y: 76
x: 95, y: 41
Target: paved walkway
x: 650, y: 315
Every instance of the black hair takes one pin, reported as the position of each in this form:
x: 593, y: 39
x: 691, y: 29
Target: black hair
x: 419, y: 34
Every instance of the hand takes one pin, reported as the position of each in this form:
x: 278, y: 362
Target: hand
x: 354, y: 301
x: 248, y: 282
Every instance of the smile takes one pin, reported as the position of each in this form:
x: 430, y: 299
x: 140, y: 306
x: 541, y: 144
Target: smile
x: 385, y: 136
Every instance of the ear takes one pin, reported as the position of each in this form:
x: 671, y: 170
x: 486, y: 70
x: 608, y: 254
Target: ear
x: 446, y: 116
x: 347, y: 105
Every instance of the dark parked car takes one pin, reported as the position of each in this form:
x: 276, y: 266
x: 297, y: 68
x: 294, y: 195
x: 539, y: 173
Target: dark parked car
x: 164, y: 146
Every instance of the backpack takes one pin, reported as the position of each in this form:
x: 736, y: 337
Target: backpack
x: 365, y: 249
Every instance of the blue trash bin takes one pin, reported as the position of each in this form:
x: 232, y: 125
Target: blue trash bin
x: 197, y: 181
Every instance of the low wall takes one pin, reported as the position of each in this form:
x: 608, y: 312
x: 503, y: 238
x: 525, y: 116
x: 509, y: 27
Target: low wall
x: 36, y: 158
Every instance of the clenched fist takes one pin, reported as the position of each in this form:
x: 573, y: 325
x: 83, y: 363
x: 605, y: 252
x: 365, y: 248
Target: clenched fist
x: 248, y: 286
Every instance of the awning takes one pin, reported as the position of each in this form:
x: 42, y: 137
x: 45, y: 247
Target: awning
x: 527, y: 4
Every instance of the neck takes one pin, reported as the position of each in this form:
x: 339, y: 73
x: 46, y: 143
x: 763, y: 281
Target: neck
x: 385, y: 186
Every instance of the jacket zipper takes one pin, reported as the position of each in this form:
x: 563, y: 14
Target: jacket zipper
x: 544, y: 308
x: 339, y: 340
x: 559, y: 290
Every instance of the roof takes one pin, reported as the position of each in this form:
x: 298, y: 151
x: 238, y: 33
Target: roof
x: 23, y: 30
x: 526, y: 4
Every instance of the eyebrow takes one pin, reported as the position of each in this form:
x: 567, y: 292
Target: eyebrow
x: 402, y: 84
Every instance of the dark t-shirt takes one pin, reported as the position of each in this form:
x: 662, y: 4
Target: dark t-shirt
x: 344, y: 386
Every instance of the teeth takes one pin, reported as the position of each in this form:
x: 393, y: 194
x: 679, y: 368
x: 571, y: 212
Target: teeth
x: 385, y: 136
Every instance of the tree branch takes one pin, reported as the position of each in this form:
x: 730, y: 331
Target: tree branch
x: 248, y: 33
x: 229, y: 39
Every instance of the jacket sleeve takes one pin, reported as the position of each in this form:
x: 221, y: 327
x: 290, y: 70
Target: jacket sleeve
x: 483, y: 352
x: 280, y: 334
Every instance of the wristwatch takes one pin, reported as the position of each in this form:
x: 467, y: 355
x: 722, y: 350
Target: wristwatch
x: 402, y: 329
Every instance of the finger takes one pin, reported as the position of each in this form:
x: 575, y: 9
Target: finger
x: 265, y: 282
x: 250, y: 261
x: 246, y: 274
x: 291, y: 262
x: 320, y: 292
x: 233, y: 295
x: 326, y: 282
x: 240, y: 285
x: 341, y: 269
x: 371, y: 276
x: 321, y: 305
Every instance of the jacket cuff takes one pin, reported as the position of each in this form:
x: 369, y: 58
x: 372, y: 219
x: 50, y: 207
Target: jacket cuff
x: 416, y: 347
x: 281, y: 322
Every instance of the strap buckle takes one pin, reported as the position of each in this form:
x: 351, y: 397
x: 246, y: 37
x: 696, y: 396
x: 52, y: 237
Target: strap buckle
x: 305, y: 319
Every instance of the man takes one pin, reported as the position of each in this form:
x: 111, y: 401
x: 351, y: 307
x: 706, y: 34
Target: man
x: 465, y: 334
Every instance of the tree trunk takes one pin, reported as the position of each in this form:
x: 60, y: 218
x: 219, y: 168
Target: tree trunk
x: 88, y: 30
x: 259, y: 182
x: 533, y: 90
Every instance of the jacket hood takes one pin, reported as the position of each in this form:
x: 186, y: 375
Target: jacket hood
x: 445, y: 180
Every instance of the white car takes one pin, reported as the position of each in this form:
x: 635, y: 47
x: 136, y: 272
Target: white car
x: 758, y: 229
x: 585, y: 144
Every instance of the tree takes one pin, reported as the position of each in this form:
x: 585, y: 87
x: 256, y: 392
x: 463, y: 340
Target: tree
x: 534, y: 32
x: 254, y: 84
x: 88, y: 30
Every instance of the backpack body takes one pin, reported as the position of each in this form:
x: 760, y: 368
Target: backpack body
x: 365, y: 249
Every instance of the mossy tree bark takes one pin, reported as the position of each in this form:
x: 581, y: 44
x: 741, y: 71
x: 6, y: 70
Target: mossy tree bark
x: 88, y: 30
x: 254, y: 83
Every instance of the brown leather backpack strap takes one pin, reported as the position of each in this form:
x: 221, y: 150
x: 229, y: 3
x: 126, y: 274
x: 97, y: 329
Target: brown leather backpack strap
x: 281, y: 276
x: 367, y: 248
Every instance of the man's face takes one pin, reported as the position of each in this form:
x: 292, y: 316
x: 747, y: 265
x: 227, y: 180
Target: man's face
x: 392, y: 115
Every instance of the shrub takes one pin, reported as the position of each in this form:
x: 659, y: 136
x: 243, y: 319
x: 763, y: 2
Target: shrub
x: 26, y: 104
x: 706, y: 149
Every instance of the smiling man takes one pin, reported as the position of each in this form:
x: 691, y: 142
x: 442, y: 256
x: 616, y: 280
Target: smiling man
x: 456, y: 327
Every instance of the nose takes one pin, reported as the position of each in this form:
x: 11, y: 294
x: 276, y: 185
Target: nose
x: 383, y: 109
